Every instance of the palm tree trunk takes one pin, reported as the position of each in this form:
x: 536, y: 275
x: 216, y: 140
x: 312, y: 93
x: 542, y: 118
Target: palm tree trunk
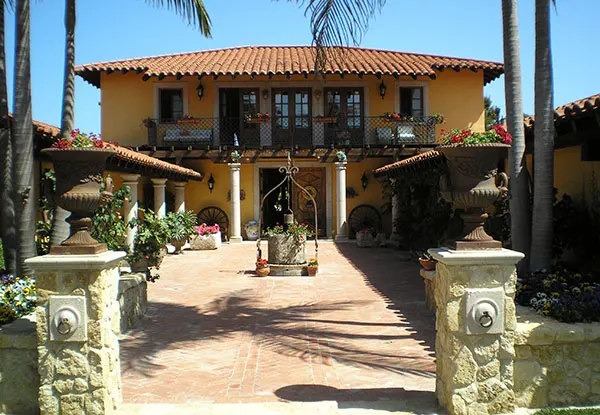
x: 23, y: 194
x: 7, y: 207
x: 520, y: 215
x: 543, y: 177
x: 60, y: 228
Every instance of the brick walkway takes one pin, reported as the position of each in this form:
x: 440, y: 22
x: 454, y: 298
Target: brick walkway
x: 359, y: 331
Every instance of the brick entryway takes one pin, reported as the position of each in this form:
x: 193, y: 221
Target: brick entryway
x: 359, y: 331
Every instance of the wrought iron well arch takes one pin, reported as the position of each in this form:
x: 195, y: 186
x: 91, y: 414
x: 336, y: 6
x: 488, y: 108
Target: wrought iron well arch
x: 290, y: 170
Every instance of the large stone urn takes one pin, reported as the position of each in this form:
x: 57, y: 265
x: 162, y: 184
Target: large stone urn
x: 286, y: 256
x: 470, y: 185
x: 79, y: 175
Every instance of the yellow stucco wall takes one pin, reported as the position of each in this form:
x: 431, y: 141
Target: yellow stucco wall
x: 573, y: 176
x: 126, y: 99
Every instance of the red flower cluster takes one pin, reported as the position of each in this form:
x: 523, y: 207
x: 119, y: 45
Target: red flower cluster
x: 205, y: 230
x: 262, y: 263
x: 504, y: 135
x: 82, y: 140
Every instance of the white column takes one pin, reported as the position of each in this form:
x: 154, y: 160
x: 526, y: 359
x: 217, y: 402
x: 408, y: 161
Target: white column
x: 395, y: 237
x: 236, y: 209
x: 131, y: 205
x: 179, y: 196
x: 160, y: 204
x: 340, y: 195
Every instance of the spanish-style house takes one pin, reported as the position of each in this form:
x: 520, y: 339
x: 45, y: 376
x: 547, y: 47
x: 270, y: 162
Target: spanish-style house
x: 202, y: 110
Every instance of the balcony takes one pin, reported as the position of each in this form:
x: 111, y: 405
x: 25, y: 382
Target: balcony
x: 319, y: 132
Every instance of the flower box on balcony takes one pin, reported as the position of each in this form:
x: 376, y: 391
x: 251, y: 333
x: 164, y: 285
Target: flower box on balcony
x: 325, y: 120
x: 187, y: 121
x: 258, y: 120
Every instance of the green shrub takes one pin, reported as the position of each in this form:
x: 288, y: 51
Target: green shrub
x: 151, y: 239
x: 2, y: 265
x: 109, y: 225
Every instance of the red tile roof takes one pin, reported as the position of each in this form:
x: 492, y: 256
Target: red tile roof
x: 577, y: 108
x: 419, y: 159
x: 288, y: 60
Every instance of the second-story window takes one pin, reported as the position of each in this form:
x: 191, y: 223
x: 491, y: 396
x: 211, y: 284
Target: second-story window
x: 171, y: 104
x: 411, y: 101
x: 346, y: 104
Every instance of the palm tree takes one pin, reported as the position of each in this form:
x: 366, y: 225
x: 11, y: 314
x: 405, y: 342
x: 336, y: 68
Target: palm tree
x: 519, y: 183
x: 191, y: 10
x: 8, y: 228
x: 22, y: 144
x: 543, y: 151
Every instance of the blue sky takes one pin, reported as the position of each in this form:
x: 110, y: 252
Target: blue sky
x: 117, y: 29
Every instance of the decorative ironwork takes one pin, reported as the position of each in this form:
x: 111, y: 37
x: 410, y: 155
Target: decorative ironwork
x: 290, y: 170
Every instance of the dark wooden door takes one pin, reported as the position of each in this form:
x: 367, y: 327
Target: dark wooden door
x: 292, y: 121
x: 313, y: 179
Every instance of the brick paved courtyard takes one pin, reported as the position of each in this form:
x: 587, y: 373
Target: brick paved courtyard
x: 214, y: 332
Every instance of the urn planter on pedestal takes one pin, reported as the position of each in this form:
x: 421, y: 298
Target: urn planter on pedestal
x: 470, y: 185
x: 79, y: 175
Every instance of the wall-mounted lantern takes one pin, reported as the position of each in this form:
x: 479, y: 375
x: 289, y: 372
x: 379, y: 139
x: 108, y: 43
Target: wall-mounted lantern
x: 382, y: 89
x: 364, y: 181
x: 211, y: 183
x: 200, y: 90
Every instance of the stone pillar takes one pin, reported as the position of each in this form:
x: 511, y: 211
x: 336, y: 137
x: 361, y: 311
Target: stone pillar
x: 394, y: 237
x: 160, y: 204
x: 475, y: 364
x: 131, y: 205
x: 236, y: 209
x: 179, y: 196
x: 80, y: 371
x: 341, y: 227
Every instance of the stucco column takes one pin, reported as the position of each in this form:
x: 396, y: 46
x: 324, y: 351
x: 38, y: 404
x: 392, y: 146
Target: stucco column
x: 236, y: 209
x: 78, y: 324
x: 475, y: 330
x: 160, y: 204
x: 179, y: 196
x: 341, y: 227
x: 131, y: 205
x: 394, y: 237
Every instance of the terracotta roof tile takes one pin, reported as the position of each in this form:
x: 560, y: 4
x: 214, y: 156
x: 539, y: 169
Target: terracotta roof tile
x: 572, y: 109
x: 282, y: 60
x: 408, y: 162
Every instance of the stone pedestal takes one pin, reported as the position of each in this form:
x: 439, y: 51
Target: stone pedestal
x: 79, y: 374
x: 341, y: 227
x: 394, y: 237
x: 160, y: 204
x: 236, y: 209
x: 475, y: 364
x: 131, y: 205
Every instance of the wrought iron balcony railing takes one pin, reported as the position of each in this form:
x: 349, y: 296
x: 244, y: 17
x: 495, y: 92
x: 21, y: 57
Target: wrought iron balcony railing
x: 318, y: 132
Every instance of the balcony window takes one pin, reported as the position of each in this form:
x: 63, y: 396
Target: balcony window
x: 346, y: 104
x: 170, y: 104
x: 411, y: 101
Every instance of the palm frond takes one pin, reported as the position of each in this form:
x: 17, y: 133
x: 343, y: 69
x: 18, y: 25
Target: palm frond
x: 338, y: 23
x: 193, y: 11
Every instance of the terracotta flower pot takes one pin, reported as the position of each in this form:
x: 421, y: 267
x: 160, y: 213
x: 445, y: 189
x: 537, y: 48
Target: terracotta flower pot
x: 263, y: 271
x: 79, y: 175
x: 471, y: 185
x: 178, y: 244
x: 312, y: 270
x: 427, y: 264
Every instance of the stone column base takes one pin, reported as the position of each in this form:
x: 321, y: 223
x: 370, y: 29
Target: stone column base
x: 235, y: 239
x: 341, y: 238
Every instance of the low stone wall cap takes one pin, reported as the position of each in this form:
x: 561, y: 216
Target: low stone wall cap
x: 484, y: 257
x: 76, y: 262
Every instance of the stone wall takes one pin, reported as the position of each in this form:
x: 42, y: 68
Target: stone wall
x: 133, y: 299
x: 557, y: 364
x: 19, y: 378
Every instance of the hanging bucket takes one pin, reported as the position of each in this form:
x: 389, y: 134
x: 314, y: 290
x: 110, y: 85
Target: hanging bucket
x: 288, y: 217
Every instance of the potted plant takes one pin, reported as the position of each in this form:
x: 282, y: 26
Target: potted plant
x: 472, y: 159
x: 207, y: 237
x: 439, y: 118
x: 313, y: 266
x: 427, y: 261
x: 324, y: 120
x: 258, y: 118
x: 79, y: 163
x: 149, y: 246
x: 365, y: 239
x: 235, y: 157
x: 181, y: 226
x: 262, y: 267
x: 186, y: 119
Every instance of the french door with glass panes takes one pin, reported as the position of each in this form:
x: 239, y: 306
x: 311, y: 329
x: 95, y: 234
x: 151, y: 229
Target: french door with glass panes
x: 291, y: 117
x: 345, y: 104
